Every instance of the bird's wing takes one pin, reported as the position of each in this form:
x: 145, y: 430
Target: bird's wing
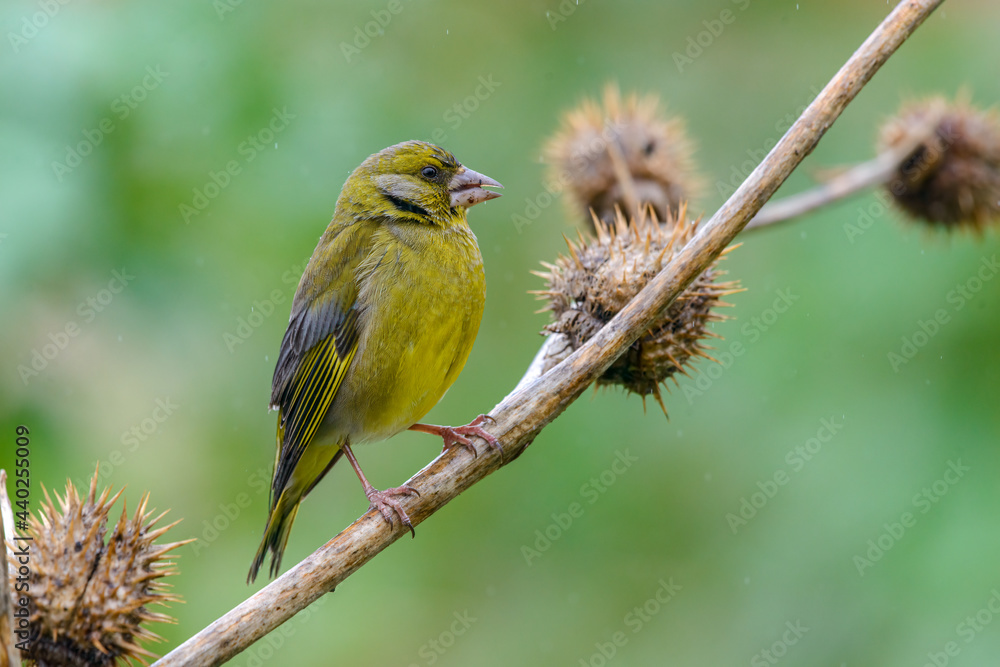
x: 317, y: 349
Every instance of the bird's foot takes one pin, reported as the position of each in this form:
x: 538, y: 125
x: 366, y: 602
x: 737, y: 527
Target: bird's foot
x: 458, y: 435
x: 385, y: 502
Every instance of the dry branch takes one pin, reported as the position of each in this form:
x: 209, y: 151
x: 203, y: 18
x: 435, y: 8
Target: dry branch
x: 523, y: 413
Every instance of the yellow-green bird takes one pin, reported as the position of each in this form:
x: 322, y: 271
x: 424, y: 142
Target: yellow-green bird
x: 381, y: 325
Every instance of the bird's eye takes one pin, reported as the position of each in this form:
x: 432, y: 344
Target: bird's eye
x: 429, y: 172
x: 649, y: 148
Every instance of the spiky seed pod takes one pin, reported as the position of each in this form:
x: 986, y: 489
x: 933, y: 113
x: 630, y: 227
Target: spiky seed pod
x: 606, y: 155
x: 90, y: 595
x: 600, y: 276
x: 953, y: 178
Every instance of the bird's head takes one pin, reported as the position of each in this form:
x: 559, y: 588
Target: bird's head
x: 417, y: 182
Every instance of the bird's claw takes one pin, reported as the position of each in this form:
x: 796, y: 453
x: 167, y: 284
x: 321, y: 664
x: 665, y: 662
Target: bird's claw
x: 456, y: 435
x: 386, y: 504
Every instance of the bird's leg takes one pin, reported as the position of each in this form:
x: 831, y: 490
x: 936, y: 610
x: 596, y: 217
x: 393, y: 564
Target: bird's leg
x: 456, y: 435
x: 383, y: 501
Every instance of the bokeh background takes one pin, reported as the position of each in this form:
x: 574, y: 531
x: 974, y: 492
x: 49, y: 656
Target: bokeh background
x: 166, y: 381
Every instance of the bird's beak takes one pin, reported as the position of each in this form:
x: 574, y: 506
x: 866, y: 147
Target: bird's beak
x: 466, y: 188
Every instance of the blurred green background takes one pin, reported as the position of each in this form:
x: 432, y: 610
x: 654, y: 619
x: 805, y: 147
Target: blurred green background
x: 166, y: 380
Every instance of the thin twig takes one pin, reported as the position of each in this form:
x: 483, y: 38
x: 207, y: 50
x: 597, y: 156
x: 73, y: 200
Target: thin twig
x: 877, y: 171
x: 522, y: 414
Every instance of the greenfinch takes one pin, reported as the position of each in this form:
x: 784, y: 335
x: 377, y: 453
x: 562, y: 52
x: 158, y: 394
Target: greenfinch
x: 382, y: 323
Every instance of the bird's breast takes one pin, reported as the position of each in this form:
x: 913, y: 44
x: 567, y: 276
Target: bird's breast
x: 421, y: 305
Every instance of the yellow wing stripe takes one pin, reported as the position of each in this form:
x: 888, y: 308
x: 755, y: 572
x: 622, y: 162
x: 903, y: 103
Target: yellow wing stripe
x: 313, y: 367
x: 320, y: 378
x: 324, y: 382
x: 315, y: 376
x: 316, y: 383
x: 305, y: 370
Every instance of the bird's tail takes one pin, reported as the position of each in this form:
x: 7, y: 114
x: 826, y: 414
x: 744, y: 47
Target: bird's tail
x: 279, y: 525
x: 282, y: 515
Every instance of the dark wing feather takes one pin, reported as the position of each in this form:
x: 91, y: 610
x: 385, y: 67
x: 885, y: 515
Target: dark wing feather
x: 307, y: 328
x: 317, y: 349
